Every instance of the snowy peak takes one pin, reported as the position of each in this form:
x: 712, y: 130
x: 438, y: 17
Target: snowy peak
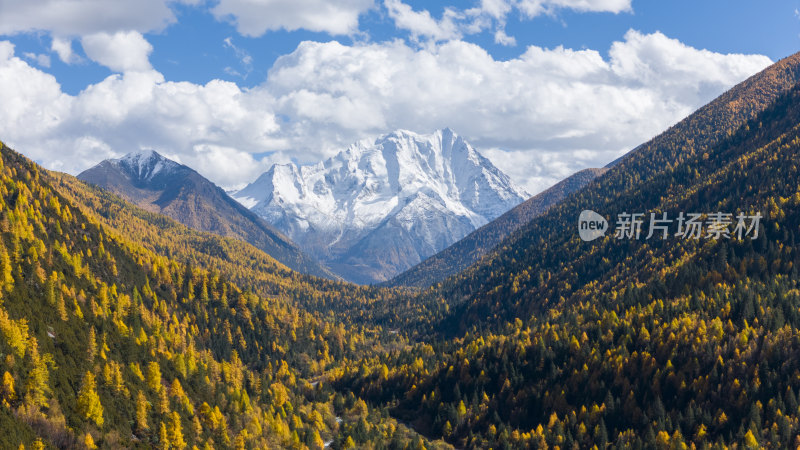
x: 430, y: 189
x: 144, y: 165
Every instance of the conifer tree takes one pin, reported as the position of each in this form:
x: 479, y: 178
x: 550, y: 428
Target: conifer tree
x: 91, y: 349
x: 175, y: 431
x: 8, y: 387
x: 163, y: 437
x: 6, y: 277
x: 154, y: 376
x: 141, y: 411
x: 88, y: 401
x: 88, y: 441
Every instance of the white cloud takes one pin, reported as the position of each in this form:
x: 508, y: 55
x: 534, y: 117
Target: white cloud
x: 244, y: 57
x: 121, y: 52
x: 63, y: 48
x: 194, y: 123
x: 546, y: 100
x: 532, y: 8
x: 140, y: 110
x: 83, y: 17
x: 500, y: 37
x: 657, y: 60
x: 541, y: 115
x: 495, y: 8
x: 33, y: 105
x: 40, y: 59
x: 254, y: 18
x: 488, y: 15
x: 421, y: 24
x: 231, y: 165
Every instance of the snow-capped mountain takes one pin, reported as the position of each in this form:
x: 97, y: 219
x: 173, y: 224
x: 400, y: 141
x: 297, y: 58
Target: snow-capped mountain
x: 146, y: 164
x: 161, y: 185
x: 380, y: 207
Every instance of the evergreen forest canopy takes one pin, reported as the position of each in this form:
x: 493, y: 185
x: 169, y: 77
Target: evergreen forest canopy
x: 122, y: 328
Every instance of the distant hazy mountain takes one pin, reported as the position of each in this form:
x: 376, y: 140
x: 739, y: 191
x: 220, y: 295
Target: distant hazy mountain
x: 380, y: 207
x: 465, y: 252
x: 164, y: 186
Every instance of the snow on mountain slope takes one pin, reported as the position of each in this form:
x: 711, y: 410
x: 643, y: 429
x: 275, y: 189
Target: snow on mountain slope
x: 145, y: 165
x: 380, y: 207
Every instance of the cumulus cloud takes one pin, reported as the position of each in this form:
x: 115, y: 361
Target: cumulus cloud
x: 539, y: 116
x: 121, y: 52
x: 78, y: 18
x: 254, y: 18
x: 110, y: 31
x: 546, y: 100
x: 123, y: 113
x: 495, y: 8
x: 33, y: 104
x: 421, y: 24
x: 83, y: 17
x: 226, y: 161
x: 63, y: 48
x: 141, y: 110
x: 487, y: 15
x: 500, y: 37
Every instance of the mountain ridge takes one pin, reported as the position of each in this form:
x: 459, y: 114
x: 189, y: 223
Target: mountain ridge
x: 420, y: 192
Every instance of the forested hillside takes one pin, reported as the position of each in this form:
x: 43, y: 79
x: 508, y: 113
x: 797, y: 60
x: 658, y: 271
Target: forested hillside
x: 107, y: 343
x: 658, y: 176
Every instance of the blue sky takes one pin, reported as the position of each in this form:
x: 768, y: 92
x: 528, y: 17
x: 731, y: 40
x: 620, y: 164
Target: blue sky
x: 542, y: 87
